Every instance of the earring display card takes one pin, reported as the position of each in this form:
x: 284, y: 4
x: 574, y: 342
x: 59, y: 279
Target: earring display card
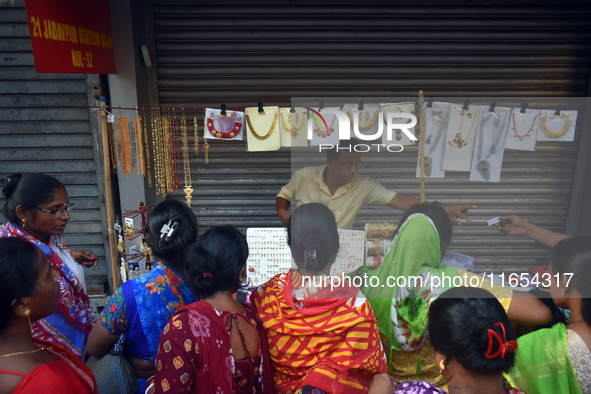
x: 270, y: 255
x: 324, y: 133
x: 293, y: 128
x: 263, y: 129
x: 351, y: 252
x: 398, y: 137
x: 523, y: 129
x: 490, y: 145
x: 436, y: 121
x: 224, y: 127
x: 557, y: 127
x: 366, y: 121
x: 461, y: 137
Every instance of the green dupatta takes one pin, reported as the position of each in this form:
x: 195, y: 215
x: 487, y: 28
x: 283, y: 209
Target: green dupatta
x: 542, y: 365
x: 402, y: 312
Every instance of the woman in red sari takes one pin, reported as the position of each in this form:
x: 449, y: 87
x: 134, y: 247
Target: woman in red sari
x: 29, y: 292
x: 321, y: 337
x: 215, y: 345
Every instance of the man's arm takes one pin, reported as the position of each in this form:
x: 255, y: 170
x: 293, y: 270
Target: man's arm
x: 282, y: 206
x: 455, y: 212
x: 514, y: 225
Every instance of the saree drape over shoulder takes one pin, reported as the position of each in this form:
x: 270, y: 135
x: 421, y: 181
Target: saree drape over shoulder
x: 328, y: 340
x: 542, y: 364
x: 401, y: 300
x: 70, y: 324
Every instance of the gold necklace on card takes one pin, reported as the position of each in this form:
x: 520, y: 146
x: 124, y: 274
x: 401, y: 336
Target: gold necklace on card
x: 257, y: 135
x: 555, y: 134
x: 459, y: 142
x: 294, y: 131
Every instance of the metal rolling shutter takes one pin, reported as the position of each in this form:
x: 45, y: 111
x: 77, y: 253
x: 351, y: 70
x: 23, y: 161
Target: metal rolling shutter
x: 55, y: 141
x: 239, y: 54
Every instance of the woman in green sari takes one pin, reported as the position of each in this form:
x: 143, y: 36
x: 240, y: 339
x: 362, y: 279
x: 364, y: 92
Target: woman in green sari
x: 558, y: 359
x: 401, y: 291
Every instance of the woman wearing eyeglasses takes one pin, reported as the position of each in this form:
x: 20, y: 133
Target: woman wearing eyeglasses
x: 37, y: 209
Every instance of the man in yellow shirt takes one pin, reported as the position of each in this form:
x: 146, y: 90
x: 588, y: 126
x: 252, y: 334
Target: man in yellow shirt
x: 338, y: 186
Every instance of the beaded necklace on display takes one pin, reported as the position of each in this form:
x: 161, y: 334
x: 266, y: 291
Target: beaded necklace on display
x: 517, y: 135
x: 186, y: 163
x: 436, y: 115
x: 459, y: 142
x: 147, y: 151
x: 328, y: 132
x: 156, y: 150
x: 177, y: 154
x: 366, y: 126
x: 205, y: 146
x: 226, y: 131
x: 196, y: 135
x: 257, y: 135
x: 141, y: 167
x: 125, y: 145
x: 555, y: 134
x: 295, y: 130
x: 483, y: 166
x: 112, y: 147
x: 137, y: 150
x: 166, y: 142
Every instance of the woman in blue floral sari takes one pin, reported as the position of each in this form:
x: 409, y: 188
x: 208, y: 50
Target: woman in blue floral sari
x: 140, y: 308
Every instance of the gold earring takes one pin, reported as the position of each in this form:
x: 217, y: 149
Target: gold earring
x: 28, y: 313
x: 441, y: 366
x: 24, y: 220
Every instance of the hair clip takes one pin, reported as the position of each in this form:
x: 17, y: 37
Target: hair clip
x: 4, y: 183
x: 167, y: 230
x: 504, y: 345
x: 207, y: 275
x: 310, y: 256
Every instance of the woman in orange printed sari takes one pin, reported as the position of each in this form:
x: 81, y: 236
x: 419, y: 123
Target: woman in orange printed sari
x: 320, y: 337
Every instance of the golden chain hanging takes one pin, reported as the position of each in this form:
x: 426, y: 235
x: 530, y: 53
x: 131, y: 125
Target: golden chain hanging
x: 186, y: 163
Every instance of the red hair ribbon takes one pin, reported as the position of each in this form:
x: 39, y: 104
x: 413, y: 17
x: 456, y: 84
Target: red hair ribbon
x: 207, y: 275
x: 504, y: 345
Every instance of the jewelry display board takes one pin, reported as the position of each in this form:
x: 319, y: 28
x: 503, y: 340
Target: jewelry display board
x: 351, y: 252
x: 437, y: 118
x: 398, y: 137
x: 490, y: 143
x: 320, y: 133
x: 263, y: 129
x: 293, y: 128
x: 523, y: 128
x: 559, y: 127
x: 270, y: 255
x: 461, y: 138
x: 367, y: 120
x: 225, y: 127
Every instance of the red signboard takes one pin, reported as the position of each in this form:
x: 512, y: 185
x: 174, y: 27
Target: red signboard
x: 71, y: 36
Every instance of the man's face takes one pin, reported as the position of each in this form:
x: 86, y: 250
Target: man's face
x: 343, y: 169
